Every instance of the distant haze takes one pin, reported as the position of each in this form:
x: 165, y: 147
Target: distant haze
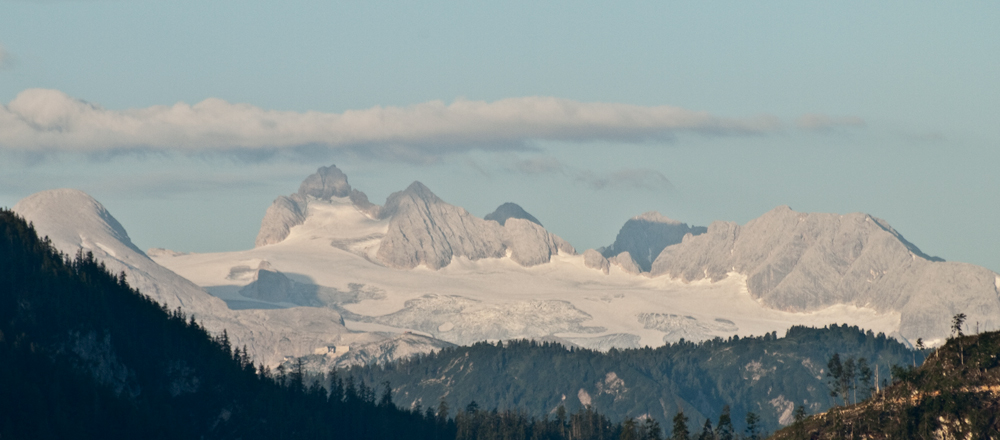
x: 187, y: 119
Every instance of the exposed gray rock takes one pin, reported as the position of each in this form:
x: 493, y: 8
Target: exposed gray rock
x: 530, y: 244
x: 284, y: 214
x: 423, y: 229
x: 625, y: 261
x: 288, y: 212
x: 270, y: 285
x: 465, y: 321
x: 678, y: 327
x: 804, y: 262
x: 594, y: 260
x: 510, y: 210
x: 644, y: 237
x: 360, y: 201
x: 325, y: 183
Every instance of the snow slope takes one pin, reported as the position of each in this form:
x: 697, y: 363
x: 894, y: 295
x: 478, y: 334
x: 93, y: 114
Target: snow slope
x: 75, y: 221
x: 334, y: 253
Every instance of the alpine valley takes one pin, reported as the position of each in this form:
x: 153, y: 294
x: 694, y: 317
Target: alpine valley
x: 336, y: 277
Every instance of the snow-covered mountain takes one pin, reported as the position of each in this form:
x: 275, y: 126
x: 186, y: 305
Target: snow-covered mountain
x: 417, y: 271
x: 645, y: 236
x: 803, y: 262
x: 422, y: 265
x: 74, y: 222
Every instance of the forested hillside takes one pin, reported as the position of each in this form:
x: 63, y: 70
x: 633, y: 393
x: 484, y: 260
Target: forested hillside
x: 765, y: 375
x: 82, y: 355
x: 955, y: 394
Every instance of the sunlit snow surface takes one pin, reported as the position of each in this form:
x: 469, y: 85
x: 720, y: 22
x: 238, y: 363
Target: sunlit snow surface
x: 333, y: 253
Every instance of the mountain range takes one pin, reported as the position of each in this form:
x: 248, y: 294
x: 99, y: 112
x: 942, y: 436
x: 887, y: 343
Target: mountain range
x: 334, y: 274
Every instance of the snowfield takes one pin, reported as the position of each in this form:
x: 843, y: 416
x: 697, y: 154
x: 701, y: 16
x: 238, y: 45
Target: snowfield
x: 332, y: 254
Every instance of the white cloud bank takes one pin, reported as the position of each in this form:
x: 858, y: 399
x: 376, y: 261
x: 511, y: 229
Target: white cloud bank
x: 40, y: 120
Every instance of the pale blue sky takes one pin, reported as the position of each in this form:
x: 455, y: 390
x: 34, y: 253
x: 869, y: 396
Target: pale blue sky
x: 909, y: 90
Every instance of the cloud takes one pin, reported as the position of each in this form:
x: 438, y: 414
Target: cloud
x: 821, y: 122
x: 49, y: 120
x: 633, y: 178
x: 537, y: 165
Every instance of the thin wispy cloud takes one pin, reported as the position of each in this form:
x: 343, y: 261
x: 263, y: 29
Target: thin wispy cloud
x: 632, y: 178
x: 821, y: 122
x: 537, y: 165
x: 42, y: 120
x: 622, y: 179
x: 6, y: 59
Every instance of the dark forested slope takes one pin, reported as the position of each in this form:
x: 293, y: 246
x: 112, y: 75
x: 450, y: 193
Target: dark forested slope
x: 82, y: 355
x: 954, y: 394
x: 766, y: 375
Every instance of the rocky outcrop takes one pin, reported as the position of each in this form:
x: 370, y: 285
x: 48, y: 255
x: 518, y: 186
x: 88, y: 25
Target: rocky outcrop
x: 284, y: 214
x: 594, y: 260
x: 646, y: 235
x: 325, y: 183
x: 423, y: 229
x: 626, y: 263
x: 530, y: 244
x: 804, y: 262
x: 510, y: 210
x: 289, y: 211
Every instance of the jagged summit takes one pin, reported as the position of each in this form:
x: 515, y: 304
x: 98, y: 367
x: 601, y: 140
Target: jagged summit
x: 510, y: 210
x: 415, y: 193
x: 646, y: 235
x: 808, y: 261
x: 656, y: 217
x: 325, y: 183
x: 289, y: 211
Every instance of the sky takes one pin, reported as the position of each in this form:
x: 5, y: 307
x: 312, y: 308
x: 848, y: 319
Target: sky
x: 186, y: 119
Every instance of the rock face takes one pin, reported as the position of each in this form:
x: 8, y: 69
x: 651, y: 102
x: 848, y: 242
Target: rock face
x: 510, y: 210
x: 426, y: 230
x: 594, y: 260
x: 281, y: 216
x: 325, y: 183
x: 423, y: 229
x: 289, y: 211
x: 530, y: 244
x: 646, y: 235
x: 625, y: 261
x: 804, y: 262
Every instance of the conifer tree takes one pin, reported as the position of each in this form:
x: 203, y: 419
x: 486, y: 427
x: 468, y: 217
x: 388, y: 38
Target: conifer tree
x: 651, y: 429
x: 707, y: 433
x: 753, y: 426
x: 680, y: 431
x: 724, y: 430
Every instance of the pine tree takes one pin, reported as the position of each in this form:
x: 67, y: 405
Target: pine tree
x: 724, y: 430
x: 651, y: 429
x: 707, y: 433
x: 680, y: 431
x: 753, y: 426
x: 800, y: 421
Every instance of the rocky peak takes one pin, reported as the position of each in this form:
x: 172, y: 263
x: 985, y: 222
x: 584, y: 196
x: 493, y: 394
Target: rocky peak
x: 510, y: 210
x: 645, y: 236
x: 325, y: 183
